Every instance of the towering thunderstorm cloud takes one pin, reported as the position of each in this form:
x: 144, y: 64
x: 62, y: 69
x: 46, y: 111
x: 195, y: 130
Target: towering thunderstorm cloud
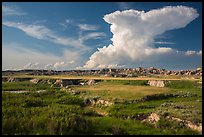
x: 134, y: 33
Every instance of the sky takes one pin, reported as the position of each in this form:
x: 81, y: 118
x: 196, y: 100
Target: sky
x: 96, y: 35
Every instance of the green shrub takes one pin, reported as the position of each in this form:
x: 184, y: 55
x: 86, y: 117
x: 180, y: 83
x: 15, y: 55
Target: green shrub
x: 70, y: 100
x: 181, y: 84
x: 128, y: 82
x: 34, y: 103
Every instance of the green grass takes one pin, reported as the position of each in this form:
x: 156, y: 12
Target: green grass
x: 120, y: 90
x: 114, y: 126
x: 57, y: 112
x: 51, y: 113
x: 183, y: 84
x: 126, y: 82
x: 24, y: 85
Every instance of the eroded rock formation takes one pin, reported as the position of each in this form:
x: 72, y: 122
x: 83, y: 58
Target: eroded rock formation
x: 157, y: 83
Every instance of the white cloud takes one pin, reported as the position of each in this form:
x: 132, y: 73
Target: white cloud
x: 71, y: 62
x: 163, y: 42
x: 58, y: 64
x: 134, y: 32
x: 31, y: 66
x: 48, y: 66
x: 42, y: 32
x: 66, y: 23
x: 82, y: 26
x: 15, y: 56
x: 12, y: 11
x: 111, y: 66
x: 124, y: 5
x: 92, y: 35
x: 63, y: 64
x: 190, y: 53
x: 87, y: 27
x: 193, y: 53
x: 64, y: 26
x: 199, y: 53
x: 36, y: 31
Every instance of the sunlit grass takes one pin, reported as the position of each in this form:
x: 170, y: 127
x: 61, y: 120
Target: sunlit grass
x: 128, y: 92
x: 64, y: 76
x: 58, y: 112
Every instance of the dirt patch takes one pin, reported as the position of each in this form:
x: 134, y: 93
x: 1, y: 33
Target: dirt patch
x: 152, y: 118
x: 188, y: 124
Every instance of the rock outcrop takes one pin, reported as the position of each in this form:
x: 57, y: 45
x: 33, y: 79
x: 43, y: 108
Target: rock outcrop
x: 11, y: 80
x: 98, y: 102
x: 91, y: 82
x: 35, y: 81
x: 63, y: 82
x: 157, y: 83
x: 189, y: 124
x: 152, y: 118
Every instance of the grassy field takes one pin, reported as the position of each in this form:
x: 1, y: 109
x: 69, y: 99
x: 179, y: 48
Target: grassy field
x: 107, y: 78
x: 120, y: 90
x: 24, y: 85
x: 186, y: 102
x: 59, y: 112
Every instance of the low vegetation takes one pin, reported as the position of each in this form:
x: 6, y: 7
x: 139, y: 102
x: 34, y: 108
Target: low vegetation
x: 24, y: 85
x: 59, y: 112
x: 120, y: 90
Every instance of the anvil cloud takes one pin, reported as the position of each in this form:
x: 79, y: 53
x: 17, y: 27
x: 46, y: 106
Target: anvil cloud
x: 134, y: 35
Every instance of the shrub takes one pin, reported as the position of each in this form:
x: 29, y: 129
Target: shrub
x: 30, y: 102
x: 181, y: 84
x: 70, y: 100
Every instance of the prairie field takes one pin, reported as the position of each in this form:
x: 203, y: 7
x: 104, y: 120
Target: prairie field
x: 121, y: 90
x: 107, y: 107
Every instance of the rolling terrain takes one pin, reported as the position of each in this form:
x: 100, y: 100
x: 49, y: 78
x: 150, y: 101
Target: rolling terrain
x: 100, y: 105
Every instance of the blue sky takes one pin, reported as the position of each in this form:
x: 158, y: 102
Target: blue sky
x: 75, y: 35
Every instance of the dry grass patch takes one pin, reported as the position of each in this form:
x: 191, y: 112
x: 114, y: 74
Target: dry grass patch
x: 127, y: 92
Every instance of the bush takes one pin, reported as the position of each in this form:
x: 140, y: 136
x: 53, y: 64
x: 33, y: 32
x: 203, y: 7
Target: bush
x: 181, y: 84
x: 128, y: 82
x: 34, y: 103
x: 70, y: 100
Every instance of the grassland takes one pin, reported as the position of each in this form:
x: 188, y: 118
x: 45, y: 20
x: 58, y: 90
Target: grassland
x: 158, y: 77
x: 59, y: 112
x: 24, y: 85
x: 121, y: 90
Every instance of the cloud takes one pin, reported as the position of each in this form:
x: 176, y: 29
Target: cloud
x: 66, y: 23
x: 163, y: 42
x: 92, y: 35
x: 86, y: 27
x: 63, y: 64
x: 111, y: 66
x: 36, y: 31
x: 190, y: 52
x: 31, y: 66
x: 193, y: 53
x: 71, y: 62
x: 12, y: 11
x: 48, y: 66
x: 63, y: 25
x: 134, y: 33
x: 199, y: 53
x: 58, y: 64
x: 124, y: 5
x: 15, y: 56
x: 44, y: 33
